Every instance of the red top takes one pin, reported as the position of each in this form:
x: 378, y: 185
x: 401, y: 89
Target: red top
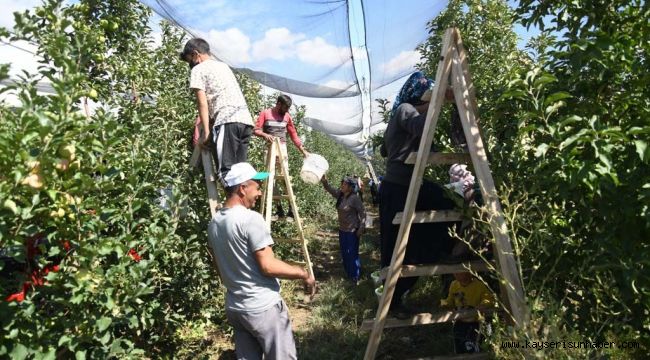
x: 277, y: 125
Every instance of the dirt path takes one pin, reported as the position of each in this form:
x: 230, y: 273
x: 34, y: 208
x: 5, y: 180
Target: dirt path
x: 327, y: 266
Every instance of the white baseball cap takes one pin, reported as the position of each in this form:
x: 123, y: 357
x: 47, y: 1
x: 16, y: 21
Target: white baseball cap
x: 241, y: 172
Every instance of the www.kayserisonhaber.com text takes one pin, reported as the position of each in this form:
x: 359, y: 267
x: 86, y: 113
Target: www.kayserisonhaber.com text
x: 569, y: 345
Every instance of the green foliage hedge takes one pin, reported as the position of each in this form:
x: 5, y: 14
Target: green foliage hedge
x: 566, y: 125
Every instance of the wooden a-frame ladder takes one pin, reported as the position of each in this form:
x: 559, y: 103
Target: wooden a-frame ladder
x: 205, y: 157
x: 453, y: 64
x: 275, y: 155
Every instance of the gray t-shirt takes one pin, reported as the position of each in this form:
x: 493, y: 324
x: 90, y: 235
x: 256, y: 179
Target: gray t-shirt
x: 234, y: 234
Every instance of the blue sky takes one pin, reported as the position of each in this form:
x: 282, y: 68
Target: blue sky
x: 303, y: 40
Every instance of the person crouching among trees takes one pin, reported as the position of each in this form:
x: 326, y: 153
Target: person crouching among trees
x: 241, y: 244
x: 225, y: 120
x: 352, y: 220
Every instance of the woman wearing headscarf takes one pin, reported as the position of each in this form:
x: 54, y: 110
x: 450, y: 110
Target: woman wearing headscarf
x: 427, y: 242
x: 352, y: 221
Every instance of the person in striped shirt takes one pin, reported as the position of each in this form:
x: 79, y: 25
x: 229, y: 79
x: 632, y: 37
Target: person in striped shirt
x: 274, y: 123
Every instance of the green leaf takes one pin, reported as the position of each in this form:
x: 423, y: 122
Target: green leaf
x: 106, y: 338
x: 541, y: 150
x: 52, y: 194
x: 544, y: 79
x: 80, y: 355
x: 104, y: 323
x: 556, y: 97
x: 11, y: 205
x: 50, y: 355
x: 19, y: 352
x: 571, y: 139
x: 513, y: 94
x: 642, y: 149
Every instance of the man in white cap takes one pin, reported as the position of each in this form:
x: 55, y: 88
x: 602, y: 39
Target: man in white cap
x: 241, y: 244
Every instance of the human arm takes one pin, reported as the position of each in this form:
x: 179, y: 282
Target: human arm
x: 202, y: 106
x: 410, y: 119
x: 487, y: 299
x: 449, y: 301
x: 259, y: 126
x: 334, y: 192
x: 361, y: 212
x: 272, y: 267
x: 197, y: 131
x: 293, y: 134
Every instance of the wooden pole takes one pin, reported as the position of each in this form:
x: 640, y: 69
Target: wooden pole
x: 505, y: 255
x: 267, y: 206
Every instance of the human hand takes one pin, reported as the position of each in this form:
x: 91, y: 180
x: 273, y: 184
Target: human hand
x: 204, y: 140
x: 269, y: 138
x: 305, y: 153
x: 310, y: 285
x: 359, y: 232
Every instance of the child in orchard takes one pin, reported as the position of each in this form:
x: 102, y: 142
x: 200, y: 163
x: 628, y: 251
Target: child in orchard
x: 465, y: 293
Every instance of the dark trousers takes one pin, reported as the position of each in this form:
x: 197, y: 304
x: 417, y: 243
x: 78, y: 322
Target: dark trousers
x: 427, y: 242
x: 230, y: 145
x: 467, y: 337
x: 349, y: 243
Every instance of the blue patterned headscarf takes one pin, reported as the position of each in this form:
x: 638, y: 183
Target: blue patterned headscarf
x: 413, y: 89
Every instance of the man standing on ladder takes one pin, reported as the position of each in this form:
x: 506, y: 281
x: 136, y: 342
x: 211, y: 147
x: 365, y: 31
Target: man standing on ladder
x: 276, y: 122
x: 226, y: 123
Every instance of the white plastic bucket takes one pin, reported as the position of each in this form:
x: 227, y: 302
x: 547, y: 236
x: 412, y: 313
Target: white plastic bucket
x: 313, y: 168
x: 379, y: 291
x: 376, y: 277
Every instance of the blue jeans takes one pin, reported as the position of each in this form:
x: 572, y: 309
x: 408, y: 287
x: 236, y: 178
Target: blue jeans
x: 349, y: 243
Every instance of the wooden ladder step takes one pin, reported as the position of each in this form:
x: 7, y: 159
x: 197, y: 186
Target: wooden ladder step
x: 281, y: 197
x: 439, y: 269
x: 431, y: 216
x: 423, y: 319
x: 436, y: 158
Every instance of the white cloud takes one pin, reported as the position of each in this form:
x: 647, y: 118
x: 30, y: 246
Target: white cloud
x: 231, y: 45
x: 10, y: 6
x: 234, y: 47
x: 317, y: 51
x: 403, y: 62
x: 277, y: 44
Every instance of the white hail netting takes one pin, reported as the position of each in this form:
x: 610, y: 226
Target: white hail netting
x: 334, y: 56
